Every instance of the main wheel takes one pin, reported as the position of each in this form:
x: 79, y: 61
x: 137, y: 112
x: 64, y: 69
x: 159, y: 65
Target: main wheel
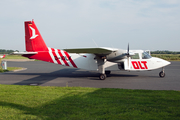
x: 161, y: 74
x: 102, y: 77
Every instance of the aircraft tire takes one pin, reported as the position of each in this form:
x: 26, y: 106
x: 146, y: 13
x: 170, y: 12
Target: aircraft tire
x: 161, y: 74
x: 102, y: 77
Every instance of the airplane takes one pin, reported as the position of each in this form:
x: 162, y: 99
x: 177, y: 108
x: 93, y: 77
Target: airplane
x: 2, y: 56
x: 101, y: 59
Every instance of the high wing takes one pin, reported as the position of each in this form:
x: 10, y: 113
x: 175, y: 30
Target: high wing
x: 100, y: 54
x: 96, y: 51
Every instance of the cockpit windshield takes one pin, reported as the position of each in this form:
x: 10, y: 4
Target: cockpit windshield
x: 145, y: 55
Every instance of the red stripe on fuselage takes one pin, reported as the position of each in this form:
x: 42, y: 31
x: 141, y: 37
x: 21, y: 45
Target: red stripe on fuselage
x: 70, y: 59
x: 55, y: 56
x: 62, y: 57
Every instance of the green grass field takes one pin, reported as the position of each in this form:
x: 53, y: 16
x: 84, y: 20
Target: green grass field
x: 9, y: 69
x: 77, y: 103
x: 14, y: 57
x: 169, y: 57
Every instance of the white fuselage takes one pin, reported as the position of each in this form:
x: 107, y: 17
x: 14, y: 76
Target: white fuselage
x: 119, y: 61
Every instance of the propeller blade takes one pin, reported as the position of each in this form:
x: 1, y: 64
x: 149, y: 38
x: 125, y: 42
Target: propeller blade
x: 128, y: 57
x: 128, y: 49
x: 129, y: 62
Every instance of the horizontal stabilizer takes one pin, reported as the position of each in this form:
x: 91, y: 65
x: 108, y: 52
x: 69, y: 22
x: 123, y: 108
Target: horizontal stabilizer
x: 99, y: 51
x: 24, y: 53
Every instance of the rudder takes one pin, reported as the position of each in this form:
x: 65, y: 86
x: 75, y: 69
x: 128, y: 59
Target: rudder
x: 33, y: 39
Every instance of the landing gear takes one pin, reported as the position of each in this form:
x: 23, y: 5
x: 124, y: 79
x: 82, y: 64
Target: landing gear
x: 162, y: 73
x: 102, y: 77
x: 101, y: 69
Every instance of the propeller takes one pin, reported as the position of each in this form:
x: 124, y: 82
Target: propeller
x: 129, y: 54
x: 128, y: 57
x: 128, y: 50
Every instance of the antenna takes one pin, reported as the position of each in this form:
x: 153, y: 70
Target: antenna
x: 94, y: 42
x: 112, y: 46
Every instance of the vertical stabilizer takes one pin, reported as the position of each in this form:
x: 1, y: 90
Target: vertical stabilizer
x: 33, y: 38
x: 2, y: 56
x: 37, y: 49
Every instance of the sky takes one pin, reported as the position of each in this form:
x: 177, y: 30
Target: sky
x: 144, y: 24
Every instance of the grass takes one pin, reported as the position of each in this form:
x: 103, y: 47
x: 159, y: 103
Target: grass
x: 14, y: 57
x: 169, y: 57
x: 74, y: 103
x: 10, y: 69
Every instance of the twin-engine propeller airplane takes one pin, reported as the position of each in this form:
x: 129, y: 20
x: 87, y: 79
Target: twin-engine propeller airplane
x: 2, y: 56
x: 102, y: 59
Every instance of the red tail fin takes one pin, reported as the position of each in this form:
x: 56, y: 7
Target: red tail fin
x: 34, y: 40
x: 2, y: 56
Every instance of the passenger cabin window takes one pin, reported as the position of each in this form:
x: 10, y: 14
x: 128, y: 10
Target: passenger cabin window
x: 145, y: 55
x: 136, y: 56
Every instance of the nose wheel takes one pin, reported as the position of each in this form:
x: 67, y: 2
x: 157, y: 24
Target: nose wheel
x: 162, y: 73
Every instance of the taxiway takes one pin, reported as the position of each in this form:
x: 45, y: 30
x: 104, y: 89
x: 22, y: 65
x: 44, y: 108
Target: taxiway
x: 48, y: 74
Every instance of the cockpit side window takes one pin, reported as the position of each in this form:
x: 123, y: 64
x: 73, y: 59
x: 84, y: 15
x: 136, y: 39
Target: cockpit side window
x: 136, y: 56
x: 145, y: 55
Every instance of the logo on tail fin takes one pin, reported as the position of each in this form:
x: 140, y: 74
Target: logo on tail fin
x: 33, y: 33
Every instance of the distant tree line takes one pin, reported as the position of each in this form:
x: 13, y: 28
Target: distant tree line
x: 3, y: 51
x: 164, y: 52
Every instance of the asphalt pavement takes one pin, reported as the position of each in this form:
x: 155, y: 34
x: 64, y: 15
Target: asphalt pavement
x: 48, y: 74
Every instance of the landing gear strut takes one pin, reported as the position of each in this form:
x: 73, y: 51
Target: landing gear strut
x: 101, y: 69
x: 162, y: 73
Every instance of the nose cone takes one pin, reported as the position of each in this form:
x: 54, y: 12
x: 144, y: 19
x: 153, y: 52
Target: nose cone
x: 165, y: 63
x: 162, y: 62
